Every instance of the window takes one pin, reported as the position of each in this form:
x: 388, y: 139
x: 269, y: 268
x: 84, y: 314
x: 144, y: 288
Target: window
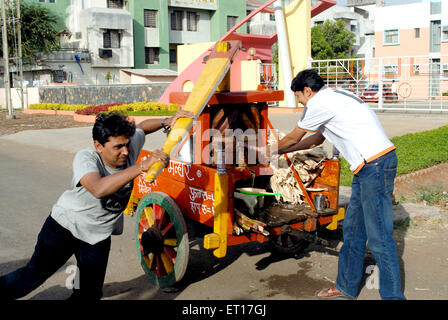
x: 436, y: 7
x: 52, y: 1
x: 444, y: 70
x: 150, y: 17
x: 445, y: 33
x: 192, y: 21
x: 151, y: 55
x: 416, y: 69
x: 231, y: 22
x: 391, y: 37
x: 115, y: 4
x: 173, y: 56
x: 391, y: 72
x: 417, y: 32
x: 111, y: 39
x: 59, y: 76
x: 176, y: 20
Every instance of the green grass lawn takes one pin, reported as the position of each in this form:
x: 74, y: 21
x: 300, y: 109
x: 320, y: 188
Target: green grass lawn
x: 415, y: 151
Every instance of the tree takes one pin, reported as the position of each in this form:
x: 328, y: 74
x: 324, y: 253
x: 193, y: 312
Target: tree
x: 320, y: 49
x: 108, y: 77
x: 331, y: 40
x: 38, y: 30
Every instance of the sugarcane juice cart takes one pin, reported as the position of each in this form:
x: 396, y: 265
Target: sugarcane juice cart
x: 232, y: 199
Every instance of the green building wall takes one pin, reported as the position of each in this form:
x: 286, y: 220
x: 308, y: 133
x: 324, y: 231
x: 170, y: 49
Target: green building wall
x: 218, y: 24
x: 136, y: 8
x: 59, y: 8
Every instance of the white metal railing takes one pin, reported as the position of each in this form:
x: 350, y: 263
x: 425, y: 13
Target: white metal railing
x: 417, y: 83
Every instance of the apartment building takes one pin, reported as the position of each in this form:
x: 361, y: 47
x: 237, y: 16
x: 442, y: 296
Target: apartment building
x: 101, y: 37
x: 411, y: 38
x: 96, y: 38
x: 159, y: 26
x: 417, y: 28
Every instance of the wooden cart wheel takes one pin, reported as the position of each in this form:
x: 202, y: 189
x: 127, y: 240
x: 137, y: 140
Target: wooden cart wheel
x: 162, y: 239
x: 287, y: 243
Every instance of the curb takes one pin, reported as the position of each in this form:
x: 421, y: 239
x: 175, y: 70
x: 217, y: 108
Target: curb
x: 51, y: 112
x: 405, y: 176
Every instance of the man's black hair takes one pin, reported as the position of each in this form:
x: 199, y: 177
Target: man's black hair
x: 307, y: 78
x: 112, y: 124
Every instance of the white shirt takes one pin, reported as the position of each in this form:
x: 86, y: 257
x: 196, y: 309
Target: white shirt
x: 347, y: 122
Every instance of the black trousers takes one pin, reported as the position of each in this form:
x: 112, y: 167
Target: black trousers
x: 55, y: 245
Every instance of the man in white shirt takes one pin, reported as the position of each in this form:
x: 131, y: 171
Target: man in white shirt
x: 353, y: 128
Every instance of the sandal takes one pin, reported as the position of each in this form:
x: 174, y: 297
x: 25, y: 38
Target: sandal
x: 330, y: 294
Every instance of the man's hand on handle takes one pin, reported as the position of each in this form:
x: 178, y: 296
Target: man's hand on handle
x: 157, y: 155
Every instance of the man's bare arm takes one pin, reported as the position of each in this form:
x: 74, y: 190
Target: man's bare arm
x: 152, y: 125
x: 100, y: 187
x: 290, y: 140
x: 307, y: 143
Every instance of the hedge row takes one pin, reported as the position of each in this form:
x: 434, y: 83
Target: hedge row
x: 58, y: 106
x: 95, y: 109
x: 146, y: 106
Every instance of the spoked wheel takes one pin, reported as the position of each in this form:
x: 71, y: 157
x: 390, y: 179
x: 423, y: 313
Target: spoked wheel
x: 288, y: 243
x: 162, y: 239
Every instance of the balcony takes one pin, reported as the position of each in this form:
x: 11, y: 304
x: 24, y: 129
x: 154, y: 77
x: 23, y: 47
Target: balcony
x: 64, y: 56
x: 194, y: 4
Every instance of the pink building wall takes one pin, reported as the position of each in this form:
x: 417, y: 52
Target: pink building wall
x: 408, y: 46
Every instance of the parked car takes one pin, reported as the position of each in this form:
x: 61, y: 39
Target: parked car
x: 370, y: 94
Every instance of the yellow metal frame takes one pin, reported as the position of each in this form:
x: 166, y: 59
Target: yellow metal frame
x: 218, y: 239
x: 337, y: 217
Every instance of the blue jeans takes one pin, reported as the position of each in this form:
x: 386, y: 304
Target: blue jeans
x: 55, y: 245
x: 369, y: 218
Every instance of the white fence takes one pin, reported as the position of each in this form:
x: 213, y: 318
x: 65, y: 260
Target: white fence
x: 401, y: 83
x: 30, y: 95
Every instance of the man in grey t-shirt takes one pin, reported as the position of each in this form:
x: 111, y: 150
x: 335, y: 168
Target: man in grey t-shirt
x: 84, y: 217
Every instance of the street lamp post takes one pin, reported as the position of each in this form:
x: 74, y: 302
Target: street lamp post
x: 6, y: 65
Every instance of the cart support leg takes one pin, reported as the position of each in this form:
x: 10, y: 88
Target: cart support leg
x: 218, y: 239
x: 337, y: 217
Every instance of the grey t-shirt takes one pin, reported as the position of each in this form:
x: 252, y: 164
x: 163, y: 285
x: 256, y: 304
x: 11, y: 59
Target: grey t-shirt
x: 86, y: 217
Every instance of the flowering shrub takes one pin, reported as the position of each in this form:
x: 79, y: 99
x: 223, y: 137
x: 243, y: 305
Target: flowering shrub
x: 96, y: 109
x: 119, y: 107
x: 146, y: 106
x: 57, y: 106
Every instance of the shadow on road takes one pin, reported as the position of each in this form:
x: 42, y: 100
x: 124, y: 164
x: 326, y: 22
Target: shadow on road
x: 203, y: 264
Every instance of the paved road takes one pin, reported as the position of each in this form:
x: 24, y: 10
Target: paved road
x: 35, y: 167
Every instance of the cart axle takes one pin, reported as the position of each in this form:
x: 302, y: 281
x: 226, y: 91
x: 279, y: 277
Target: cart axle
x: 152, y: 241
